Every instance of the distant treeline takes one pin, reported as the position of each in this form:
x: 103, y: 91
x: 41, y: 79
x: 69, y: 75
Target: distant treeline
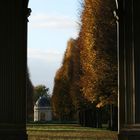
x: 29, y: 98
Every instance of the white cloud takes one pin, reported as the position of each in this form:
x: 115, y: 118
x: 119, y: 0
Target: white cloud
x: 51, y: 21
x: 42, y: 54
x: 43, y: 66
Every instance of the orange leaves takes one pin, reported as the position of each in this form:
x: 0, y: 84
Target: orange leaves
x: 98, y: 52
x: 89, y: 69
x: 88, y: 52
x: 66, y: 86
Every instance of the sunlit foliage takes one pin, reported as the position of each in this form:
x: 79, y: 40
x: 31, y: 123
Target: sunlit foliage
x: 87, y: 79
x: 98, y: 52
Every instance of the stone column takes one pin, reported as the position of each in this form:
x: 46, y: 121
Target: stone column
x: 13, y: 46
x: 129, y: 70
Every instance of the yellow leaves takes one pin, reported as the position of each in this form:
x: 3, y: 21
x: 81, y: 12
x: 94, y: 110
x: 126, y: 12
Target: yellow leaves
x: 104, y: 100
x: 70, y: 45
x: 100, y: 105
x: 95, y: 57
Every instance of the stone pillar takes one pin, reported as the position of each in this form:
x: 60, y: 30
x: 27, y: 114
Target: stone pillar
x: 129, y: 70
x: 13, y: 46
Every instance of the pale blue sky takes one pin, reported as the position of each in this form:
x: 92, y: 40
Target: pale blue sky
x: 51, y: 24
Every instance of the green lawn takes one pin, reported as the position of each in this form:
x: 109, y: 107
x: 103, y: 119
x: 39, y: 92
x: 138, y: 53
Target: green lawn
x: 68, y: 132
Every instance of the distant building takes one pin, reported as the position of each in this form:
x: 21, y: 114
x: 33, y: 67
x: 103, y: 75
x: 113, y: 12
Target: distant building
x: 42, y: 110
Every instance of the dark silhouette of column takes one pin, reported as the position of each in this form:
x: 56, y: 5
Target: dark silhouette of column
x: 13, y: 46
x: 129, y: 70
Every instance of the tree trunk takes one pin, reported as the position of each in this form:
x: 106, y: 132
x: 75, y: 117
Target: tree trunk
x: 99, y: 118
x: 113, y: 120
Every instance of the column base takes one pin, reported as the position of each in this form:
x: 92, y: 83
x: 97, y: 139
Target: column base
x: 129, y: 135
x: 10, y: 135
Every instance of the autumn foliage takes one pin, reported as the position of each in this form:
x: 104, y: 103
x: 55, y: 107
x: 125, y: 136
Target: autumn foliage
x: 87, y: 79
x: 98, y: 52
